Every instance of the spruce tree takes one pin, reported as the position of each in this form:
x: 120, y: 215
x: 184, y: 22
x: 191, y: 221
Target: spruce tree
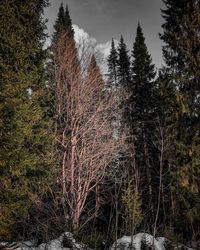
x: 123, y: 81
x: 141, y: 115
x: 143, y: 73
x: 64, y: 71
x: 63, y: 38
x: 123, y: 64
x: 181, y: 54
x: 26, y: 143
x: 62, y: 28
x: 62, y: 47
x: 112, y: 66
x: 63, y: 22
x: 93, y: 71
x: 181, y: 50
x: 166, y: 123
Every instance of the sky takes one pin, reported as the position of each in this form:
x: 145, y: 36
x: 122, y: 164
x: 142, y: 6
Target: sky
x: 103, y: 19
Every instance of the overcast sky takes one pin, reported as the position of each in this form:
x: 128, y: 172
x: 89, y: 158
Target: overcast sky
x: 104, y: 19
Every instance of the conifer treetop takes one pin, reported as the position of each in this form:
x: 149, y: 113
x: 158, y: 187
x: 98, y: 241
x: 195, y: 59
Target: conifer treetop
x: 123, y: 67
x: 63, y: 22
x: 141, y: 65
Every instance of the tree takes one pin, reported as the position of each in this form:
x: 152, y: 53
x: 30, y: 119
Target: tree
x: 63, y: 47
x: 63, y: 25
x: 132, y: 205
x: 181, y: 54
x: 123, y: 64
x: 112, y: 66
x: 63, y: 22
x: 141, y: 114
x: 181, y: 49
x: 26, y: 143
x: 164, y: 142
x: 85, y: 139
x: 93, y: 70
x: 143, y: 74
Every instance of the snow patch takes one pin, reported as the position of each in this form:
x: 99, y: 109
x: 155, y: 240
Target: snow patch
x: 137, y: 240
x: 67, y: 242
x: 64, y: 242
x: 148, y: 240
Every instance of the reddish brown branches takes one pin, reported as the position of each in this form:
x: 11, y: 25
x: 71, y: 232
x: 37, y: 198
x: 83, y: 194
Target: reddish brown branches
x: 84, y: 132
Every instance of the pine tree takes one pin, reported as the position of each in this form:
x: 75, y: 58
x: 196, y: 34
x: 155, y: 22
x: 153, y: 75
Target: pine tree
x: 26, y: 143
x: 112, y: 66
x: 181, y: 54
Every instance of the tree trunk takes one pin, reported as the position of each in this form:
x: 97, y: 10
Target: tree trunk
x: 148, y: 171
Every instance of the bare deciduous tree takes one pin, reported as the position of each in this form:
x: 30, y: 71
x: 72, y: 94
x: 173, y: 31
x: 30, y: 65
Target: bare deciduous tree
x: 84, y: 137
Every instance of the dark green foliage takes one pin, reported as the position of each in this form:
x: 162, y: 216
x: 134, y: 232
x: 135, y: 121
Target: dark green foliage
x: 62, y: 46
x: 25, y: 146
x: 63, y: 22
x: 140, y: 117
x: 182, y: 48
x: 181, y: 54
x: 143, y: 73
x: 123, y: 64
x: 112, y: 67
x: 62, y: 28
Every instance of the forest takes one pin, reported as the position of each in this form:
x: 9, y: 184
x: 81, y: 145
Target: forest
x: 98, y: 155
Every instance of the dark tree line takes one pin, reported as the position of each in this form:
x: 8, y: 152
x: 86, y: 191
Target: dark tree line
x: 162, y: 117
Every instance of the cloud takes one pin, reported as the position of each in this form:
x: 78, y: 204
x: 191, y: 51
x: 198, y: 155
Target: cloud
x: 105, y: 47
x: 101, y: 50
x: 104, y: 50
x: 81, y: 35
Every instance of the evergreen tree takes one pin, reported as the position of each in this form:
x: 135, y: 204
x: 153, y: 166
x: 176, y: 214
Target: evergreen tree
x: 166, y: 123
x: 26, y: 143
x: 63, y: 22
x: 181, y: 50
x: 93, y: 71
x: 112, y: 66
x: 123, y: 64
x: 62, y: 28
x: 123, y: 81
x: 143, y: 73
x: 181, y: 54
x: 62, y: 49
x: 141, y: 115
x: 63, y: 71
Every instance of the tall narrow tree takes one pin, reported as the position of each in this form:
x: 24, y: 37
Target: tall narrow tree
x: 63, y: 68
x: 123, y: 64
x: 63, y: 22
x: 112, y: 67
x: 140, y: 116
